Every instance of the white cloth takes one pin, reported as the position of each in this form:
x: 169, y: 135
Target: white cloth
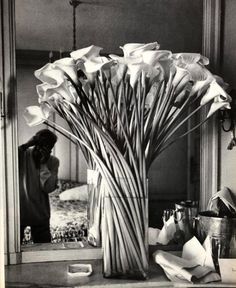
x: 167, y: 232
x: 153, y: 235
x: 226, y: 196
x: 178, y: 269
x: 197, y: 253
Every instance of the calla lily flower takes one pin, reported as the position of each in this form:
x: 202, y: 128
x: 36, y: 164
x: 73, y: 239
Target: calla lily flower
x: 96, y: 63
x: 45, y: 91
x: 190, y: 58
x: 221, y: 82
x: 86, y: 53
x: 42, y: 90
x: 68, y: 65
x: 197, y: 72
x: 215, y: 92
x: 50, y: 74
x: 202, y: 80
x: 127, y: 60
x: 135, y: 71
x: 199, y: 75
x: 160, y: 59
x: 215, y: 106
x: 65, y: 92
x: 136, y: 49
x: 181, y: 77
x: 36, y: 115
x: 154, y: 57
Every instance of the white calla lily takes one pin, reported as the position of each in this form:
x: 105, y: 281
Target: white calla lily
x: 215, y: 90
x: 86, y: 53
x: 181, y: 77
x: 136, y: 49
x: 215, y: 106
x: 190, y: 58
x: 154, y: 57
x: 197, y: 72
x: 221, y: 82
x: 135, y: 71
x: 204, y: 79
x: 68, y: 65
x: 127, y: 60
x: 45, y: 91
x: 36, y: 115
x: 65, y: 91
x: 96, y: 63
x: 50, y: 74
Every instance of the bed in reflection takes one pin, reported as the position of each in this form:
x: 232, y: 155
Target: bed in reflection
x: 69, y: 221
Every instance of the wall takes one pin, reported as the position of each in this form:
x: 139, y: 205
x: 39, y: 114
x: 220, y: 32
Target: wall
x: 228, y: 157
x: 47, y: 25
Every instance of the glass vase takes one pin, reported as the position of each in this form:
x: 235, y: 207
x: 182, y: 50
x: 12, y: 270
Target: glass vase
x: 125, y: 234
x: 94, y: 207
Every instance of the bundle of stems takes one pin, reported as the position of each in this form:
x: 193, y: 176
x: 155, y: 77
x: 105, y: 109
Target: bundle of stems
x: 123, y: 113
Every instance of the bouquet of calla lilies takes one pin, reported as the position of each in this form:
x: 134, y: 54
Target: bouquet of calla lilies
x: 123, y: 112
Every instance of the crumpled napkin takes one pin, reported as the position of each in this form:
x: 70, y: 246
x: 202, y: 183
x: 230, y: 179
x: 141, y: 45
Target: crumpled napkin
x: 194, y: 266
x: 199, y: 254
x: 223, y: 202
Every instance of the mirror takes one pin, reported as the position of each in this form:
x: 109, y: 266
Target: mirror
x: 175, y: 175
x: 68, y: 220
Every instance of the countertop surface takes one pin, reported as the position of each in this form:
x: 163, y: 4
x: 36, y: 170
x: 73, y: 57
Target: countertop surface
x: 55, y: 274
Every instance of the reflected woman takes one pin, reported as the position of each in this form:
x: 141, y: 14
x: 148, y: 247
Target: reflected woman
x: 38, y: 175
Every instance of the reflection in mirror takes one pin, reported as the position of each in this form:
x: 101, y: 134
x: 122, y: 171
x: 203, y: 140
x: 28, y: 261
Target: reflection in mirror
x: 67, y: 201
x: 175, y: 174
x: 68, y: 206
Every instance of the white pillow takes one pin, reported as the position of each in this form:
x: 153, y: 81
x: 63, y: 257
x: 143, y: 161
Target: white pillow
x: 77, y: 193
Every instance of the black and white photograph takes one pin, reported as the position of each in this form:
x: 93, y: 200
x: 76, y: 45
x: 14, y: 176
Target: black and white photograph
x: 118, y: 143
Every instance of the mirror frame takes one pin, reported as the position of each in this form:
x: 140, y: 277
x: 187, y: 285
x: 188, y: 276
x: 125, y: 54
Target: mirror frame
x: 9, y: 203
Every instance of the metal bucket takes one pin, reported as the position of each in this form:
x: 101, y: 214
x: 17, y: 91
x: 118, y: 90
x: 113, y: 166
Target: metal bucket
x: 221, y: 231
x: 207, y: 223
x: 185, y: 213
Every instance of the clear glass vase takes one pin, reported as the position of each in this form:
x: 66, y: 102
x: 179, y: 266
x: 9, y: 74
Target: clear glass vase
x: 94, y: 207
x: 125, y: 235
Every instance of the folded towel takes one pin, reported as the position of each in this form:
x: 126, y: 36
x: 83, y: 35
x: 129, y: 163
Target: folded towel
x: 184, y: 270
